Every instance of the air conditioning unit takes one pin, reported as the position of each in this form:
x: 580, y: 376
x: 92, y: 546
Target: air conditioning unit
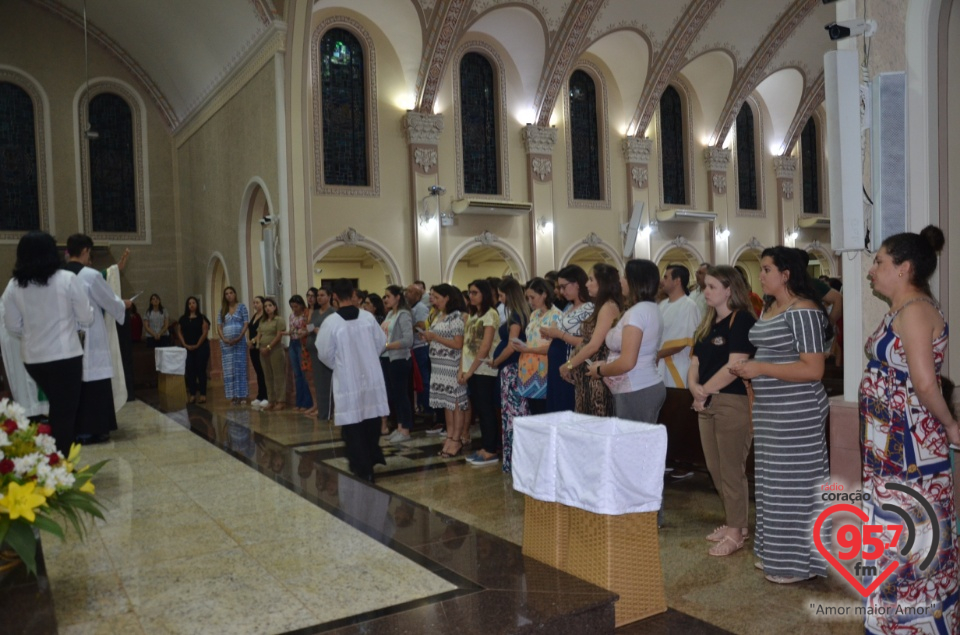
x: 814, y: 223
x: 489, y: 207
x: 685, y: 216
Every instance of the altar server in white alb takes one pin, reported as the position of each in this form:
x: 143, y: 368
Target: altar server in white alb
x: 100, y: 396
x: 350, y: 342
x: 681, y: 316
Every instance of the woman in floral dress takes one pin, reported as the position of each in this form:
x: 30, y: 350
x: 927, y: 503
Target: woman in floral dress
x: 505, y: 359
x: 543, y: 314
x: 907, y: 427
x: 572, y: 286
x: 445, y: 337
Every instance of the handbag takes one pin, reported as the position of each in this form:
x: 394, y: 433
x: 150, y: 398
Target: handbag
x: 532, y: 376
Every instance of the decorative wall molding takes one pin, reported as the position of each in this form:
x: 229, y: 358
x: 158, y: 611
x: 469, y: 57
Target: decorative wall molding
x: 786, y: 189
x: 753, y: 245
x: 445, y: 28
x: 639, y: 174
x: 592, y: 240
x: 812, y: 97
x: 41, y: 136
x: 425, y: 159
x: 719, y: 183
x: 636, y: 149
x: 539, y: 139
x: 542, y: 167
x: 351, y: 237
x: 785, y: 167
x: 421, y: 128
x: 141, y: 173
x: 503, y: 166
x: 717, y: 159
x: 488, y: 239
x: 373, y: 127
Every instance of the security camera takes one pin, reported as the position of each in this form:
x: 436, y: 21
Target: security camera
x: 266, y: 220
x: 851, y: 28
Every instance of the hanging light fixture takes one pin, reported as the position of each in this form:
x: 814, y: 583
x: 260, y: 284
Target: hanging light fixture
x: 89, y: 133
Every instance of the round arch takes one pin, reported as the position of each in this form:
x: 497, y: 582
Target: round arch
x: 754, y: 245
x: 591, y: 241
x: 256, y: 199
x: 217, y: 279
x: 491, y: 240
x: 353, y: 238
x: 682, y: 245
x: 824, y: 256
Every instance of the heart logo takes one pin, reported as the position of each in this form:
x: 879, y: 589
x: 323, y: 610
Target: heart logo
x: 859, y: 513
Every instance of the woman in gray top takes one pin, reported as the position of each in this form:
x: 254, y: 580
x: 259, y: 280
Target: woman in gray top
x: 398, y: 325
x: 322, y: 374
x: 157, y: 324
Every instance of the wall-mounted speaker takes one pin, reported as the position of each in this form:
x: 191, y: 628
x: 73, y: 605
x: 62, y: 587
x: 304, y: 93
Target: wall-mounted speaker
x: 841, y: 75
x: 888, y: 141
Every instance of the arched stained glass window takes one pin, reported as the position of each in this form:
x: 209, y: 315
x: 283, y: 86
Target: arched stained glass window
x: 746, y: 159
x: 478, y: 125
x: 809, y: 160
x: 344, y: 109
x: 19, y: 178
x: 584, y: 137
x: 671, y: 148
x: 113, y: 179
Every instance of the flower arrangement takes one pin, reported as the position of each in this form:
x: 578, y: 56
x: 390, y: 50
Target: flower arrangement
x: 38, y: 482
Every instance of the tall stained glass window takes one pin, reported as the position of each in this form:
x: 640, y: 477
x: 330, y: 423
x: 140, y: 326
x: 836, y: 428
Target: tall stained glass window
x: 809, y: 160
x: 344, y: 109
x: 478, y: 125
x: 19, y: 179
x: 113, y: 179
x: 671, y: 148
x: 746, y: 159
x: 584, y: 137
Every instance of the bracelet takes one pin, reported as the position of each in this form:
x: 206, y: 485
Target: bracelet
x: 569, y: 365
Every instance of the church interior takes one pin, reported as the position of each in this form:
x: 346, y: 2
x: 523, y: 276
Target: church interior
x: 252, y: 143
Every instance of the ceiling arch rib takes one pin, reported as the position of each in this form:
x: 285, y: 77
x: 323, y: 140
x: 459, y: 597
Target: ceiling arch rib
x: 668, y: 60
x: 562, y: 53
x: 446, y: 26
x: 752, y: 73
x: 813, y: 96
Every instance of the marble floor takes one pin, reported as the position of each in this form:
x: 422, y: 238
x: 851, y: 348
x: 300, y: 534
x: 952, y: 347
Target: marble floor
x: 228, y: 520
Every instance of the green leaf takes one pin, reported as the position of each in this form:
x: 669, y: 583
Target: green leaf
x: 49, y: 525
x: 20, y: 537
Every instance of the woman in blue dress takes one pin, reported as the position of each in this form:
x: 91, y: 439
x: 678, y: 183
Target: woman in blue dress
x: 233, y: 320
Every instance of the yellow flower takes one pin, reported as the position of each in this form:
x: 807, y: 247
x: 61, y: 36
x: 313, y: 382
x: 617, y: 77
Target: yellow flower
x: 21, y: 501
x: 88, y: 488
x: 74, y: 452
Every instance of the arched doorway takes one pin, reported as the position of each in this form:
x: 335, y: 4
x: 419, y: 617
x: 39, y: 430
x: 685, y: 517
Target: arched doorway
x: 821, y: 263
x: 677, y: 255
x: 216, y: 282
x: 354, y: 262
x: 259, y: 240
x: 747, y: 260
x: 484, y: 261
x: 587, y: 257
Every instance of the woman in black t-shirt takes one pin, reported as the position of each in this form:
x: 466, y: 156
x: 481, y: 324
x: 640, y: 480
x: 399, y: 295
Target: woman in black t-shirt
x: 720, y: 398
x: 194, y: 327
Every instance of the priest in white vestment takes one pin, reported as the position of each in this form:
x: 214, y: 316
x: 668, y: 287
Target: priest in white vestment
x: 681, y: 316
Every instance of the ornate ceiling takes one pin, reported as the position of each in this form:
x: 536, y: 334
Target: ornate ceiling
x: 183, y: 49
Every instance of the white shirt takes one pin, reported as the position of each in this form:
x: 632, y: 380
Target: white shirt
x: 352, y: 349
x: 646, y: 317
x: 680, y: 320
x: 697, y: 296
x: 47, y: 318
x: 97, y: 358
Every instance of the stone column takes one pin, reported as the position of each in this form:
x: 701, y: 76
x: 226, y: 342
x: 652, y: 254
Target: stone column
x: 636, y: 155
x: 423, y: 136
x: 717, y: 161
x: 539, y: 142
x: 785, y: 168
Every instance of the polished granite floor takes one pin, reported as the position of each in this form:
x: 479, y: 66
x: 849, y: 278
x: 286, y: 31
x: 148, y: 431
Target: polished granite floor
x: 223, y: 519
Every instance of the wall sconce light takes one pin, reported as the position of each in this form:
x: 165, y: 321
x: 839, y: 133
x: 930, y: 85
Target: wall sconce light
x: 544, y: 225
x: 723, y: 232
x: 793, y: 234
x: 645, y: 230
x: 434, y: 192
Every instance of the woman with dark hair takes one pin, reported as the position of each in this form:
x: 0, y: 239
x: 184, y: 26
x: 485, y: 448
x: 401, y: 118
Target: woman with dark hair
x: 630, y: 370
x: 270, y: 344
x: 157, y: 324
x: 789, y: 414
x: 322, y: 374
x: 372, y: 303
x: 306, y: 359
x: 592, y: 396
x: 907, y: 427
x: 233, y: 320
x: 398, y: 327
x: 572, y: 286
x: 445, y: 337
x: 720, y: 398
x: 533, y: 364
x: 480, y: 339
x: 298, y: 330
x: 193, y: 332
x: 43, y: 305
x: 505, y: 358
x: 261, y: 400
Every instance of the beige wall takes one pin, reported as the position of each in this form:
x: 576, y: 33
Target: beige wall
x: 35, y: 42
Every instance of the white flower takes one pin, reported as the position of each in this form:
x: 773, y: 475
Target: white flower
x: 4, y: 439
x: 55, y: 477
x: 46, y: 444
x: 22, y: 466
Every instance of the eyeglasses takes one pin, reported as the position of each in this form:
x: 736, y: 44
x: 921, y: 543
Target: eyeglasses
x: 563, y: 286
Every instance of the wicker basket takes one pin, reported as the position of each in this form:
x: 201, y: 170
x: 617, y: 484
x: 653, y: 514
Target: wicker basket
x: 544, y: 531
x: 173, y: 391
x: 619, y: 553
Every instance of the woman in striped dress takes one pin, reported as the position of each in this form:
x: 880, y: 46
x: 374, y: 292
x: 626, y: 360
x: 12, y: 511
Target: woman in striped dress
x: 789, y: 415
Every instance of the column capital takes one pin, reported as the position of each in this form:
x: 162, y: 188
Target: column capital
x: 422, y: 128
x: 636, y: 150
x: 716, y: 159
x: 539, y: 139
x: 785, y: 167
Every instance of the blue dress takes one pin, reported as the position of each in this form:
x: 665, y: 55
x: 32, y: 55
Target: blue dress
x: 235, y: 356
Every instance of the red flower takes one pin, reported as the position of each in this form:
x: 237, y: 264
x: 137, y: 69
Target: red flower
x: 6, y: 466
x: 43, y: 428
x: 9, y: 426
x: 54, y: 458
